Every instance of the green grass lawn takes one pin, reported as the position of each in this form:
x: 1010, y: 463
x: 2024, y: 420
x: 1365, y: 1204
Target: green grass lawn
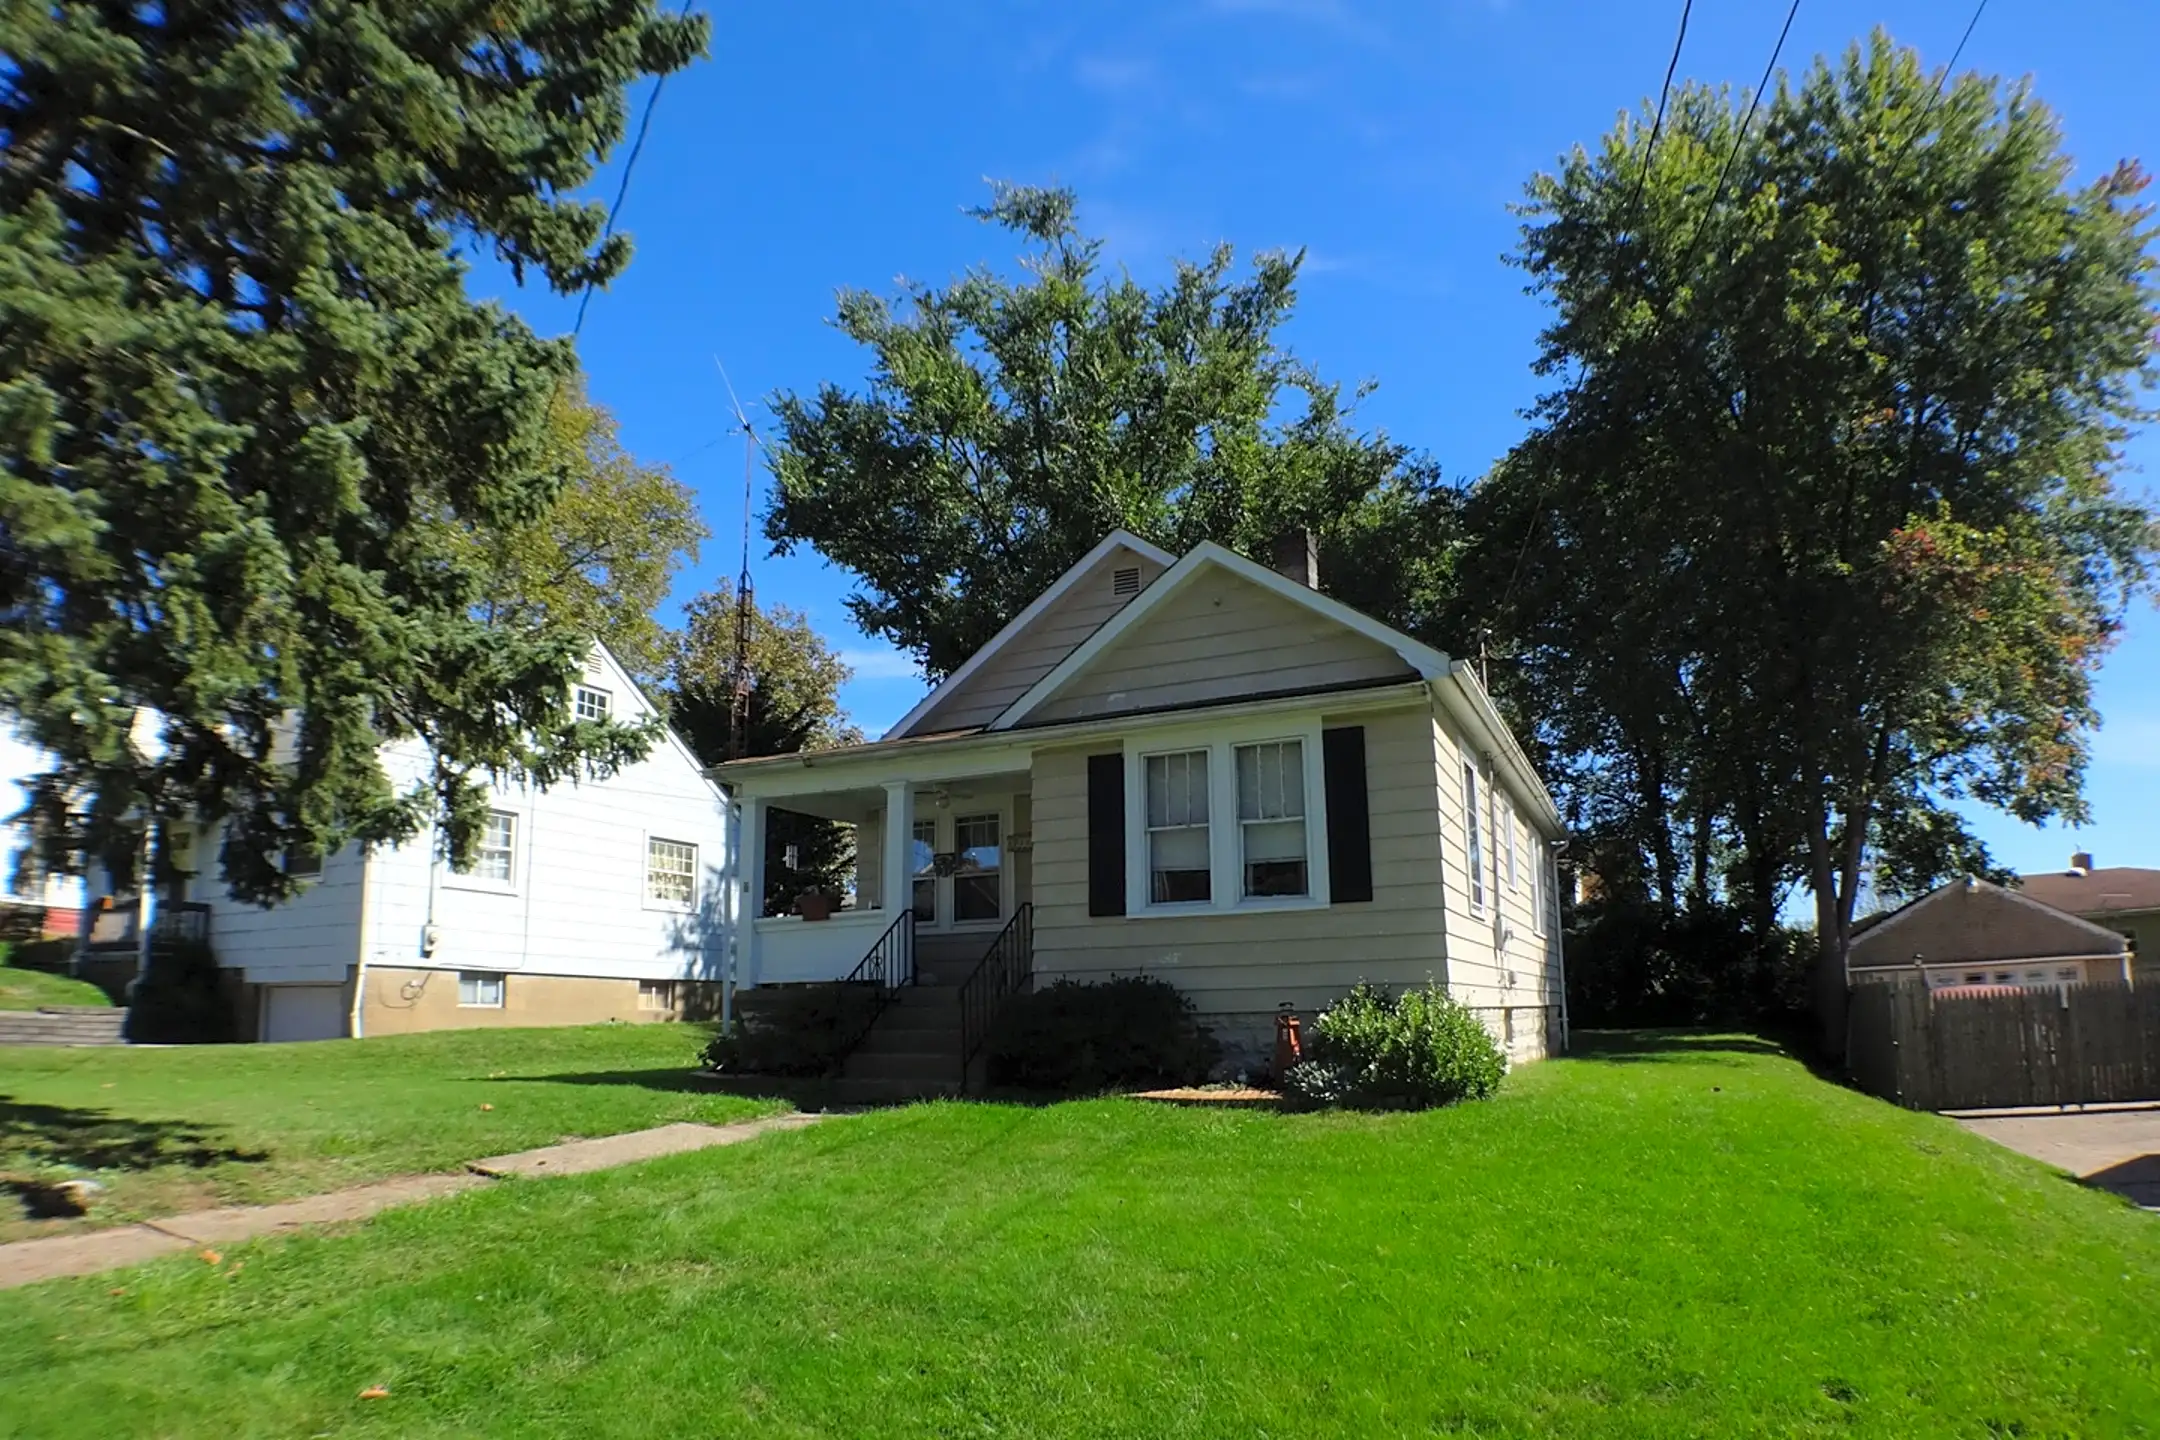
x: 1680, y: 1236
x: 167, y: 1130
x: 28, y: 989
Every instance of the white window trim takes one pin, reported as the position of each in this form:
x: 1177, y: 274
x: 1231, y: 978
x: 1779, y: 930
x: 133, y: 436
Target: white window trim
x: 942, y: 922
x: 1225, y: 862
x: 607, y: 701
x: 502, y: 990
x: 1473, y: 856
x: 647, y: 900
x: 520, y: 848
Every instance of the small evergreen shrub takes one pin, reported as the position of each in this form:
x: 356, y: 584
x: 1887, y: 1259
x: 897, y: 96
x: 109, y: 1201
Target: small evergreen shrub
x: 182, y: 999
x: 800, y: 1034
x: 1125, y: 1033
x: 53, y: 956
x: 1413, y: 1051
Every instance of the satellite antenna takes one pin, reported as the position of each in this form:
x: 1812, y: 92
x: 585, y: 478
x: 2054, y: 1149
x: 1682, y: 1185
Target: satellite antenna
x: 738, y: 735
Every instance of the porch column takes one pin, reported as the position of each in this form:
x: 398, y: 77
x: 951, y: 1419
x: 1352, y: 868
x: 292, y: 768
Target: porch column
x: 899, y: 876
x: 753, y: 858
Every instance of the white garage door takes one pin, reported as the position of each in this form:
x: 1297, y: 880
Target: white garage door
x: 303, y: 1012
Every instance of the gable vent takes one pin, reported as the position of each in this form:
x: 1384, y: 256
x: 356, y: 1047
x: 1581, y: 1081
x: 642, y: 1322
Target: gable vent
x: 1126, y: 581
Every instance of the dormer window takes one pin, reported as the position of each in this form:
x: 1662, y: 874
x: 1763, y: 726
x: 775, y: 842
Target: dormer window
x: 1125, y: 581
x: 591, y: 704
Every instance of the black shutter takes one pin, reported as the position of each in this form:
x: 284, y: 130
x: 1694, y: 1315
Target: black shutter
x: 1106, y: 834
x: 1349, y: 817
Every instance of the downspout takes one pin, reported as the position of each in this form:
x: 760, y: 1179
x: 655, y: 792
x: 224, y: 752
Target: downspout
x: 1559, y: 941
x: 357, y: 1025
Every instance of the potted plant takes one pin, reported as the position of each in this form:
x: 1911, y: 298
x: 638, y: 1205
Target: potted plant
x: 814, y: 905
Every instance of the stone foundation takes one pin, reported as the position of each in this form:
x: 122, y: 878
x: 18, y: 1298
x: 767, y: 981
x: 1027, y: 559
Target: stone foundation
x: 402, y: 1001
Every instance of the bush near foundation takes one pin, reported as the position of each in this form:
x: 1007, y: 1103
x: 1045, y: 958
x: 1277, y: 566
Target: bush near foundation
x: 1373, y: 1050
x: 801, y: 1034
x: 1129, y: 1032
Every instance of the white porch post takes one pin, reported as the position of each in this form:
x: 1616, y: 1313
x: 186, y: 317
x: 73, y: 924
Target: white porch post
x: 750, y: 864
x: 899, y: 875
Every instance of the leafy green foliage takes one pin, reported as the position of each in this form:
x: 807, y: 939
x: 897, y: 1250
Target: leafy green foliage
x: 1008, y: 425
x: 795, y: 680
x: 1817, y: 534
x: 1125, y: 1032
x: 600, y: 559
x: 1410, y: 1051
x: 246, y: 407
x: 807, y: 1033
x: 1631, y: 962
x: 181, y: 999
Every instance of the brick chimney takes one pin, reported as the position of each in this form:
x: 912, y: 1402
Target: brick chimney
x: 1296, y: 553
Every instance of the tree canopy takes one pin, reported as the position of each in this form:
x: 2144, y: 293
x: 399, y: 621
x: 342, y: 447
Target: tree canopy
x: 246, y: 404
x: 1009, y: 424
x: 602, y: 557
x: 1817, y: 534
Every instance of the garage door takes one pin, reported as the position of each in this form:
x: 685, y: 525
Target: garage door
x: 303, y: 1012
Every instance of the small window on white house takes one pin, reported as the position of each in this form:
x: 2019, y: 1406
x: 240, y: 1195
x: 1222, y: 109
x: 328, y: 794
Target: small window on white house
x: 1271, y: 818
x: 479, y: 990
x: 591, y: 704
x: 670, y: 872
x: 655, y: 995
x: 1179, y: 864
x: 495, y: 858
x: 302, y: 863
x: 1475, y: 841
x: 978, y: 884
x: 1125, y: 581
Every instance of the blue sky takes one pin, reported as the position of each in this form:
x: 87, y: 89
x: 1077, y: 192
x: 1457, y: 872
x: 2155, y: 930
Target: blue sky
x: 828, y: 144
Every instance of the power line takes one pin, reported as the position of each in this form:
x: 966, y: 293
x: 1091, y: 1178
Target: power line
x: 1664, y: 92
x: 622, y: 191
x: 1739, y: 138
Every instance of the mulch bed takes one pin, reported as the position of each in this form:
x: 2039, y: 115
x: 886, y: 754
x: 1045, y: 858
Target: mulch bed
x: 1246, y: 1096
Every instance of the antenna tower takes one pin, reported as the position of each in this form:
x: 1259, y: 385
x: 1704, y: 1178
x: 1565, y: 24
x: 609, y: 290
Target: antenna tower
x: 738, y: 737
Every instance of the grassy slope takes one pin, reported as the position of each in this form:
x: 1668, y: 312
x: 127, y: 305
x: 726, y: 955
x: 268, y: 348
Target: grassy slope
x: 1690, y: 1240
x: 28, y: 989
x: 170, y: 1129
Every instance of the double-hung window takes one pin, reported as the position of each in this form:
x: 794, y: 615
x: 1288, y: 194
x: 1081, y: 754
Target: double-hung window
x: 1271, y: 819
x: 494, y: 860
x: 1179, y: 847
x: 670, y: 872
x: 1475, y: 840
x: 978, y: 879
x: 923, y: 858
x: 1513, y: 884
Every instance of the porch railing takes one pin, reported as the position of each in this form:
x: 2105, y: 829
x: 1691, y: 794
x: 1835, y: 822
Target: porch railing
x: 888, y: 965
x: 114, y: 928
x: 1004, y: 972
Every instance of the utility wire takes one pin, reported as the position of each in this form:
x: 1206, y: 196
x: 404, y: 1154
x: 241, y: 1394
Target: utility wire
x: 1664, y: 92
x: 1739, y: 138
x: 622, y: 191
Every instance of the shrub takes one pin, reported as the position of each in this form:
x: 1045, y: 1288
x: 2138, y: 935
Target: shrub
x: 54, y: 956
x: 792, y: 1032
x: 1420, y: 1049
x: 1124, y: 1033
x: 181, y: 1000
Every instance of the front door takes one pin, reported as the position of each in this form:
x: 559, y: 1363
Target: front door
x: 960, y: 874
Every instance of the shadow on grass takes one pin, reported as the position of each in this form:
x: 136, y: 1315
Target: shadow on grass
x: 1671, y: 1047
x: 100, y: 1140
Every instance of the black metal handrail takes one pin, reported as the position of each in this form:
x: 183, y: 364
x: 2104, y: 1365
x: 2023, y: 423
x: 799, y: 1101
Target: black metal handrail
x: 889, y: 964
x: 1004, y: 972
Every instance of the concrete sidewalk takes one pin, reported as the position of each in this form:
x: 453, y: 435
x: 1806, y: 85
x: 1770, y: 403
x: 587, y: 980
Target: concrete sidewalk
x: 27, y: 1262
x: 2115, y: 1149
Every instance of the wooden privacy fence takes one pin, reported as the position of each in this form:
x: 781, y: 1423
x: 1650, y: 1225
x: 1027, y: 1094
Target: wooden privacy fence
x: 2068, y: 1045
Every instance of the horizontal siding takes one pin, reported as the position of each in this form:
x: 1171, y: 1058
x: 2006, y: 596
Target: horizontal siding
x: 1219, y: 638
x: 1036, y: 651
x: 1254, y: 961
x: 1526, y: 969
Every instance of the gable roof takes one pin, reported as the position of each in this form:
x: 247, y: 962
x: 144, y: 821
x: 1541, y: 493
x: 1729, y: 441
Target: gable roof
x: 1018, y: 625
x: 2095, y: 892
x: 2104, y: 941
x: 1429, y: 663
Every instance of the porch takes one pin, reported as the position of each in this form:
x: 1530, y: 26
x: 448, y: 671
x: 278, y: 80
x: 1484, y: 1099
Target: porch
x: 950, y: 855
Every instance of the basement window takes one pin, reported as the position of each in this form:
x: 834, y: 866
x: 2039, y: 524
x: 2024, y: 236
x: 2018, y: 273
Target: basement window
x: 479, y: 990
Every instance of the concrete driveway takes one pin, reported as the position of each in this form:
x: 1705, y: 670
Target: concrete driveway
x: 2116, y: 1150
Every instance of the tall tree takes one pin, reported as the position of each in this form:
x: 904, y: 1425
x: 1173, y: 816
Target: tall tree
x: 1817, y: 535
x: 1010, y: 423
x: 601, y: 558
x: 794, y: 706
x: 245, y: 403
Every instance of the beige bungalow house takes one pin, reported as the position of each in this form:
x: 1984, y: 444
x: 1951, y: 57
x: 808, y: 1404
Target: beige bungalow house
x: 1193, y: 767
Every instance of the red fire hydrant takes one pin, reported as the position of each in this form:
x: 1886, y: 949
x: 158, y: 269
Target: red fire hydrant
x: 1289, y: 1041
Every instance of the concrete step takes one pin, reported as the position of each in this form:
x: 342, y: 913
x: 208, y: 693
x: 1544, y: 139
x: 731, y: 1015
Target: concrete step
x: 848, y: 1091
x: 902, y: 1065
